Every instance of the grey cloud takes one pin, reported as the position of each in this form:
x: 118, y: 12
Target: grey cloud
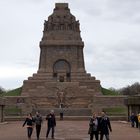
x: 120, y: 60
x: 32, y: 63
x: 11, y: 83
x: 114, y: 10
x: 124, y: 10
x: 111, y: 48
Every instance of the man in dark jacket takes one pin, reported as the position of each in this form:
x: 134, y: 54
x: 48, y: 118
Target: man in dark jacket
x: 104, y: 126
x: 38, y: 122
x: 51, y: 123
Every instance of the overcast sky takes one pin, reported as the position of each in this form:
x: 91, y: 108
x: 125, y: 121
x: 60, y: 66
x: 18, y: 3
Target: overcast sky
x: 110, y: 30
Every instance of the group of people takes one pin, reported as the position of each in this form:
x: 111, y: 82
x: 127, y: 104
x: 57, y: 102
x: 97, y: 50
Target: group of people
x: 36, y: 121
x: 99, y: 126
x: 135, y: 120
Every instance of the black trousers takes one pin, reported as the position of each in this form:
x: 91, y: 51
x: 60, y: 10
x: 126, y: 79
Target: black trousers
x: 38, y: 129
x: 48, y: 131
x: 94, y: 134
x: 61, y: 116
x: 106, y: 136
x: 137, y: 124
x: 132, y: 123
x: 29, y: 131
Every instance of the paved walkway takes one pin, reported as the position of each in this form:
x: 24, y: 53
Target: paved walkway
x: 68, y: 130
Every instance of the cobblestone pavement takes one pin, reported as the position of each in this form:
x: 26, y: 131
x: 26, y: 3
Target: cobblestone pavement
x: 67, y: 130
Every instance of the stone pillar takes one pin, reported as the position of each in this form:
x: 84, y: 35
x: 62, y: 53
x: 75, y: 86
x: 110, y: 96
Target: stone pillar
x: 2, y: 104
x: 2, y: 113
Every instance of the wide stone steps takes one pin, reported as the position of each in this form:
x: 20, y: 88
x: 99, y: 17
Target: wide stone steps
x: 75, y: 118
x: 40, y: 89
x: 49, y: 76
x: 67, y: 111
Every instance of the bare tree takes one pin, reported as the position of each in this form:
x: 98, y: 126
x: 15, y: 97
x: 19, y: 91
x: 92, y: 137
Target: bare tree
x: 113, y: 89
x: 133, y: 89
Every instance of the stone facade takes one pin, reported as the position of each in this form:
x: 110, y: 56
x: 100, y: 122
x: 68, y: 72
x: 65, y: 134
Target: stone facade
x: 61, y: 80
x: 98, y: 103
x: 101, y: 102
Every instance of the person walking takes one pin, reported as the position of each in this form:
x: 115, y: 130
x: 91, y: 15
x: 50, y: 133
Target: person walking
x: 132, y: 119
x: 94, y: 127
x: 136, y: 120
x: 51, y: 123
x: 61, y: 113
x: 139, y: 121
x: 30, y: 123
x: 38, y: 121
x: 104, y: 126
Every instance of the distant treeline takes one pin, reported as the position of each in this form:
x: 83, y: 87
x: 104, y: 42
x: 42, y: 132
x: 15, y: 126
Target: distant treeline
x: 133, y: 89
x: 2, y: 90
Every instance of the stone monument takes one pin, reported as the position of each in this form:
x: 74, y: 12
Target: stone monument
x: 61, y: 79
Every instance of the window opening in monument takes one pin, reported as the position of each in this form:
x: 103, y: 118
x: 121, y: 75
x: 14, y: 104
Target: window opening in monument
x: 68, y: 77
x: 61, y: 79
x: 54, y: 74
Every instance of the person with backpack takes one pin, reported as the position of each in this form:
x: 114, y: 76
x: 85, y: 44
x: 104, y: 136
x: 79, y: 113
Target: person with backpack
x: 38, y: 121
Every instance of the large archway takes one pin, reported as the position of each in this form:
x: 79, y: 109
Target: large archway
x: 61, y: 71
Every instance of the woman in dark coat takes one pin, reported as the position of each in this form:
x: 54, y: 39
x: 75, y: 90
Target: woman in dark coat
x: 104, y: 126
x: 30, y: 123
x: 94, y: 127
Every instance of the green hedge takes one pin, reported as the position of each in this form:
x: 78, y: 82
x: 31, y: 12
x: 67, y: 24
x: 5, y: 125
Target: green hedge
x: 116, y: 111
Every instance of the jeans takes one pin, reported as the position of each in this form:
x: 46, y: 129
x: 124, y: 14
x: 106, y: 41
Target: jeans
x: 29, y: 131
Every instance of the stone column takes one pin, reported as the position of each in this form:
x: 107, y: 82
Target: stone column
x: 2, y: 113
x: 2, y: 104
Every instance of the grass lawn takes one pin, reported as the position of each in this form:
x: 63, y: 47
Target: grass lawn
x: 116, y: 111
x: 12, y: 111
x: 14, y: 92
x: 108, y: 92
